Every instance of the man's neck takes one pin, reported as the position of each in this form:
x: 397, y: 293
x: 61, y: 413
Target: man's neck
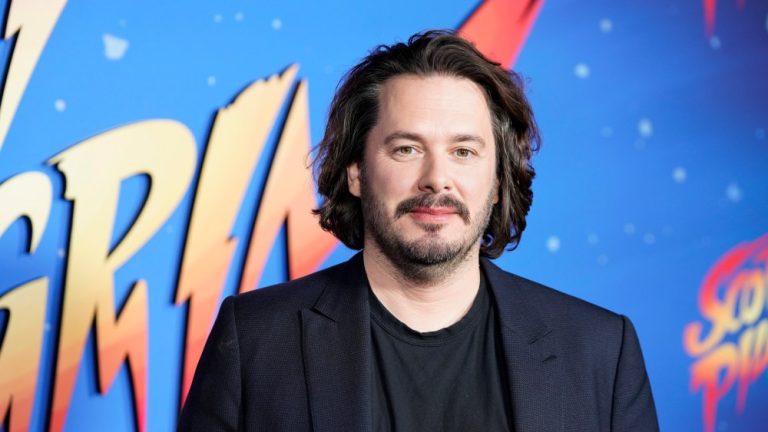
x: 424, y: 305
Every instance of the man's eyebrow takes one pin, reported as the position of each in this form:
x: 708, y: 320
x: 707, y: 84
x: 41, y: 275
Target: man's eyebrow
x: 410, y: 136
x: 469, y: 137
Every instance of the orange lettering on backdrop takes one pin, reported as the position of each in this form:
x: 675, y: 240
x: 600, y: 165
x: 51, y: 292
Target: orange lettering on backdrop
x: 705, y: 373
x: 720, y: 313
x: 742, y: 277
x: 26, y: 195
x: 288, y: 196
x: 165, y: 151
x: 20, y: 355
x: 236, y: 143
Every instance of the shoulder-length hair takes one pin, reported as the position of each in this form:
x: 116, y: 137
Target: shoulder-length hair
x: 354, y: 111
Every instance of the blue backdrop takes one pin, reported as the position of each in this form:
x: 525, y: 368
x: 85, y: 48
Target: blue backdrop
x: 653, y: 168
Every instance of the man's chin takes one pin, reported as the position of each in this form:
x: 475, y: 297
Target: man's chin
x: 429, y: 252
x: 424, y: 257
x: 431, y: 228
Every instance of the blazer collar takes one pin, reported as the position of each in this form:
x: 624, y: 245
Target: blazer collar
x: 518, y: 308
x: 534, y: 368
x: 345, y: 294
x: 336, y: 347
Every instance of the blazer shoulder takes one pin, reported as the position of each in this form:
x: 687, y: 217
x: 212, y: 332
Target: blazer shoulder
x: 557, y: 308
x: 601, y: 363
x: 558, y: 300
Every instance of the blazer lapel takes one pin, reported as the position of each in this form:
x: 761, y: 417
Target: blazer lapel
x: 337, y: 351
x: 534, y: 371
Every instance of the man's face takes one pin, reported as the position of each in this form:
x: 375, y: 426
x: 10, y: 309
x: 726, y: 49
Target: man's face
x: 428, y: 178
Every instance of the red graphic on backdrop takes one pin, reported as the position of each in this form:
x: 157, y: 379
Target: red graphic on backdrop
x: 709, y: 13
x: 734, y: 348
x: 499, y: 28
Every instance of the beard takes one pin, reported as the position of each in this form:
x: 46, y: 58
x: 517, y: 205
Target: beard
x: 429, y: 256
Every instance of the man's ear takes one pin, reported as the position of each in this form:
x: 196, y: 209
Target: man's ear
x: 353, y: 178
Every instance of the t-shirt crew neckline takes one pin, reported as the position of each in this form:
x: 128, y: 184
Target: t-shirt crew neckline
x: 399, y: 330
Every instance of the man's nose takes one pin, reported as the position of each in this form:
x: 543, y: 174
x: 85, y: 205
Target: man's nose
x: 435, y: 175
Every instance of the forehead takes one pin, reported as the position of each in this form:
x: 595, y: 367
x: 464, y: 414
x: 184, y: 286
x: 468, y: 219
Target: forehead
x: 434, y: 105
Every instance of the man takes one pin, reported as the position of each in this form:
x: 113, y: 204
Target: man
x: 425, y: 166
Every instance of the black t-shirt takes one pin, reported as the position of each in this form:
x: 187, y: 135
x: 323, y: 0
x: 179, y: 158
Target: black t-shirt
x: 451, y: 379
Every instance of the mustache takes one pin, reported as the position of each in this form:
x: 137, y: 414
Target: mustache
x: 428, y: 201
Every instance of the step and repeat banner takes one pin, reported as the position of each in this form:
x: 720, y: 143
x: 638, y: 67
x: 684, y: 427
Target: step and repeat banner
x: 154, y: 159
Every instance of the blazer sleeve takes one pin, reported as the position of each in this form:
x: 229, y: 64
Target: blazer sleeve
x: 213, y: 402
x: 633, y: 407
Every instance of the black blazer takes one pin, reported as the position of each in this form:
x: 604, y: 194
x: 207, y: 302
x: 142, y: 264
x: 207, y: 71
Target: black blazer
x: 297, y: 357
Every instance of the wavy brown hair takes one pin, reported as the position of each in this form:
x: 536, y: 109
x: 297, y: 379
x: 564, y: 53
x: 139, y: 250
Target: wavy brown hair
x: 354, y: 112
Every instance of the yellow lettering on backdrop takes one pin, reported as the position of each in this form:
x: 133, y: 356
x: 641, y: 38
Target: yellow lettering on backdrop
x: 31, y: 21
x: 94, y: 169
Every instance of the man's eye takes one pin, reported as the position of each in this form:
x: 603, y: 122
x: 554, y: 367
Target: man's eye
x: 463, y: 152
x: 405, y: 150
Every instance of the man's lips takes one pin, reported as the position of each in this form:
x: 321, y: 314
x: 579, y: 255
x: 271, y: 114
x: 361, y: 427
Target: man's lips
x: 433, y: 214
x: 434, y: 211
